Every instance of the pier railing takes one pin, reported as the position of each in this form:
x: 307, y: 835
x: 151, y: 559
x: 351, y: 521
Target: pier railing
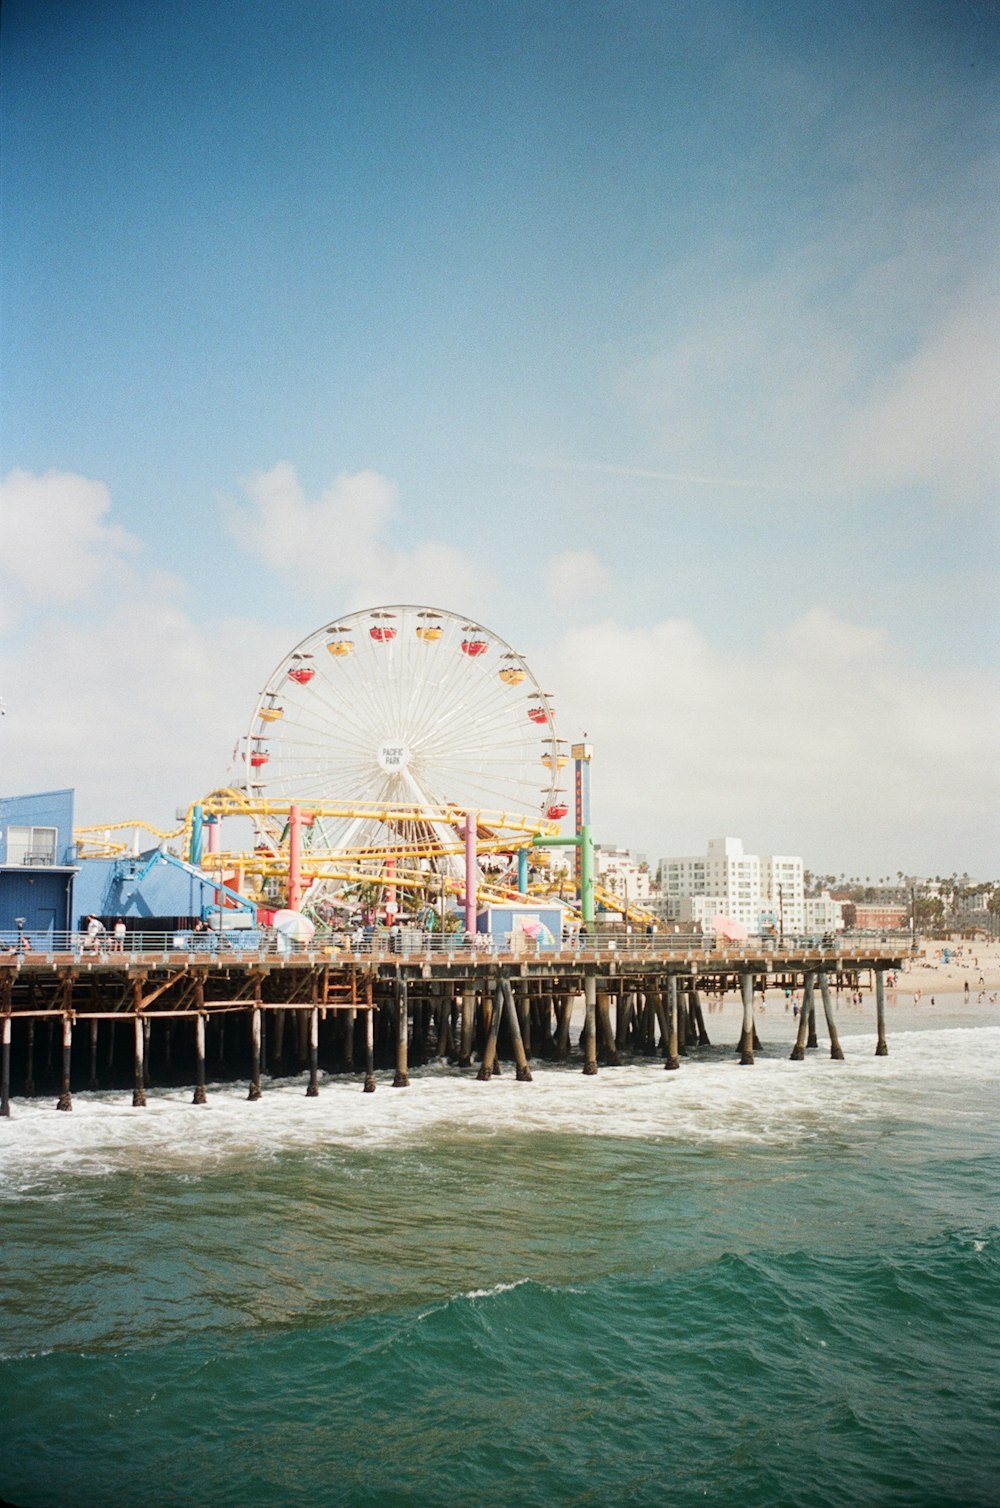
x: 21, y: 948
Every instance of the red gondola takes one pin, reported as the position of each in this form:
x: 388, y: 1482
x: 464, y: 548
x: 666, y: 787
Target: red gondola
x: 382, y: 635
x: 259, y: 759
x: 556, y: 813
x: 538, y: 714
x: 301, y: 674
x: 474, y: 647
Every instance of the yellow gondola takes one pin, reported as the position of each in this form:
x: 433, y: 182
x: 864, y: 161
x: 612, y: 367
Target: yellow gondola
x: 429, y: 635
x: 512, y: 675
x: 340, y: 647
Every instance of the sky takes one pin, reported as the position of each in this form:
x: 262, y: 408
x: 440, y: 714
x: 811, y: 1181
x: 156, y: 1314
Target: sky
x: 662, y: 339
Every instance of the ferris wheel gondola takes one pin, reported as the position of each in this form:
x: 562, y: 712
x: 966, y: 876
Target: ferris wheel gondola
x: 409, y: 705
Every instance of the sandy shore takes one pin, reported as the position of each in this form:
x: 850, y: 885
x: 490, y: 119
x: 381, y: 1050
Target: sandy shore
x: 975, y: 964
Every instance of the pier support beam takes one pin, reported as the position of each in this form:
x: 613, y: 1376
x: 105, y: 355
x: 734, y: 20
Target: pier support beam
x: 199, y: 1097
x: 65, y: 1100
x: 401, y: 1078
x: 139, y: 1037
x: 5, y: 1068
x: 312, y: 1088
x: 29, y: 1065
x: 836, y: 1051
x: 254, y: 1093
x: 466, y: 1017
x: 611, y: 1057
x: 369, y: 1051
x: 798, y: 1052
x: 92, y: 1081
x: 590, y: 1024
x: 881, y: 1046
x: 746, y: 1036
x: 486, y: 1067
x: 697, y: 1018
x: 523, y: 1074
x: 673, y: 1047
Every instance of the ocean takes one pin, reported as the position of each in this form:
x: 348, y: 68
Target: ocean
x: 758, y: 1286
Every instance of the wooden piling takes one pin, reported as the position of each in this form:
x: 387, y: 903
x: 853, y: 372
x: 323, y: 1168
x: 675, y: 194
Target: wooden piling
x: 590, y: 1024
x: 881, y: 1046
x: 29, y: 1066
x: 490, y: 1049
x: 466, y: 1011
x: 401, y: 1078
x: 199, y: 1097
x: 746, y: 1036
x: 523, y: 1073
x: 836, y: 1051
x: 254, y: 1091
x: 369, y: 1051
x: 797, y: 1054
x: 697, y: 1018
x: 312, y: 1088
x: 5, y: 1069
x: 564, y: 1014
x: 607, y: 1037
x: 65, y: 1100
x: 92, y: 1081
x: 139, y: 1089
x: 673, y: 1046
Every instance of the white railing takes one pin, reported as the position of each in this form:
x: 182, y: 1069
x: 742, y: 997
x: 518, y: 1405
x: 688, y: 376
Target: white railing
x: 410, y: 942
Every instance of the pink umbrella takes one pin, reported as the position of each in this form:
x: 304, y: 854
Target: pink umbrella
x: 725, y: 926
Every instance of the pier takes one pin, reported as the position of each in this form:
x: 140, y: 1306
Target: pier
x: 170, y: 1013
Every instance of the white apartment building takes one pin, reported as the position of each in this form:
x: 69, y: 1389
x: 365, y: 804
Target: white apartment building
x: 761, y: 893
x: 621, y: 871
x: 823, y: 914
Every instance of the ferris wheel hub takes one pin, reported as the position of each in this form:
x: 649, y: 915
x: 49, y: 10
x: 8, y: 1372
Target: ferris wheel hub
x: 393, y: 757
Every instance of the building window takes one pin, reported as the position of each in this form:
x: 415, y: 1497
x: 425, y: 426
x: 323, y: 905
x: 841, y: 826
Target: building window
x: 31, y: 845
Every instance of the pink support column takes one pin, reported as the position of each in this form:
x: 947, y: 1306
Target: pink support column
x: 391, y: 904
x: 470, y: 871
x: 294, y: 857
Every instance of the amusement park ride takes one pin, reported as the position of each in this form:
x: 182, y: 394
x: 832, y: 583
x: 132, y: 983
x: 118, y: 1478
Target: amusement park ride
x: 399, y: 760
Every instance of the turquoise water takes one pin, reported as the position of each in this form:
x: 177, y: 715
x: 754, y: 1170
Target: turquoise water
x: 765, y: 1286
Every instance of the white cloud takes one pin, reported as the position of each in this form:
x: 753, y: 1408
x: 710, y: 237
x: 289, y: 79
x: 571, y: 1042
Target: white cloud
x: 110, y: 685
x: 574, y: 574
x: 863, y: 355
x: 343, y: 538
x: 56, y: 544
x: 822, y: 741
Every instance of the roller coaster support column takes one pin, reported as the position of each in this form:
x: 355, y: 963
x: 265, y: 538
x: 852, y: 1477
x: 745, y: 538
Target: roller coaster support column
x: 294, y: 857
x: 471, y: 827
x: 522, y: 871
x: 197, y: 832
x: 583, y: 842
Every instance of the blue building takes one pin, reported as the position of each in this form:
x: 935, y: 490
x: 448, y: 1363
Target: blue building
x: 152, y: 892
x: 37, y: 862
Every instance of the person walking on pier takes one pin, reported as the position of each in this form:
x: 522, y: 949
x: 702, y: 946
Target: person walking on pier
x: 118, y: 943
x: 94, y: 929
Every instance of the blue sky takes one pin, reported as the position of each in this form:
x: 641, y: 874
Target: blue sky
x: 660, y: 338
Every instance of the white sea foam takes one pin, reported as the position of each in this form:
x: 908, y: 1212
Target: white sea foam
x: 947, y: 1075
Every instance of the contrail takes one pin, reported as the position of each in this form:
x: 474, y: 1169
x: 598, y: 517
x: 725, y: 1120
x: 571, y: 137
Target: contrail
x: 638, y: 473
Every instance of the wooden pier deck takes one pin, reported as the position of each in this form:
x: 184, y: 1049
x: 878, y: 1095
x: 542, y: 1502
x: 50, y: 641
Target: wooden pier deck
x: 176, y: 1011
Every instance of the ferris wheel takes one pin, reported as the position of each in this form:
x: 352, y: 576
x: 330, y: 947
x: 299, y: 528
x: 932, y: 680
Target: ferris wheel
x: 408, y: 707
